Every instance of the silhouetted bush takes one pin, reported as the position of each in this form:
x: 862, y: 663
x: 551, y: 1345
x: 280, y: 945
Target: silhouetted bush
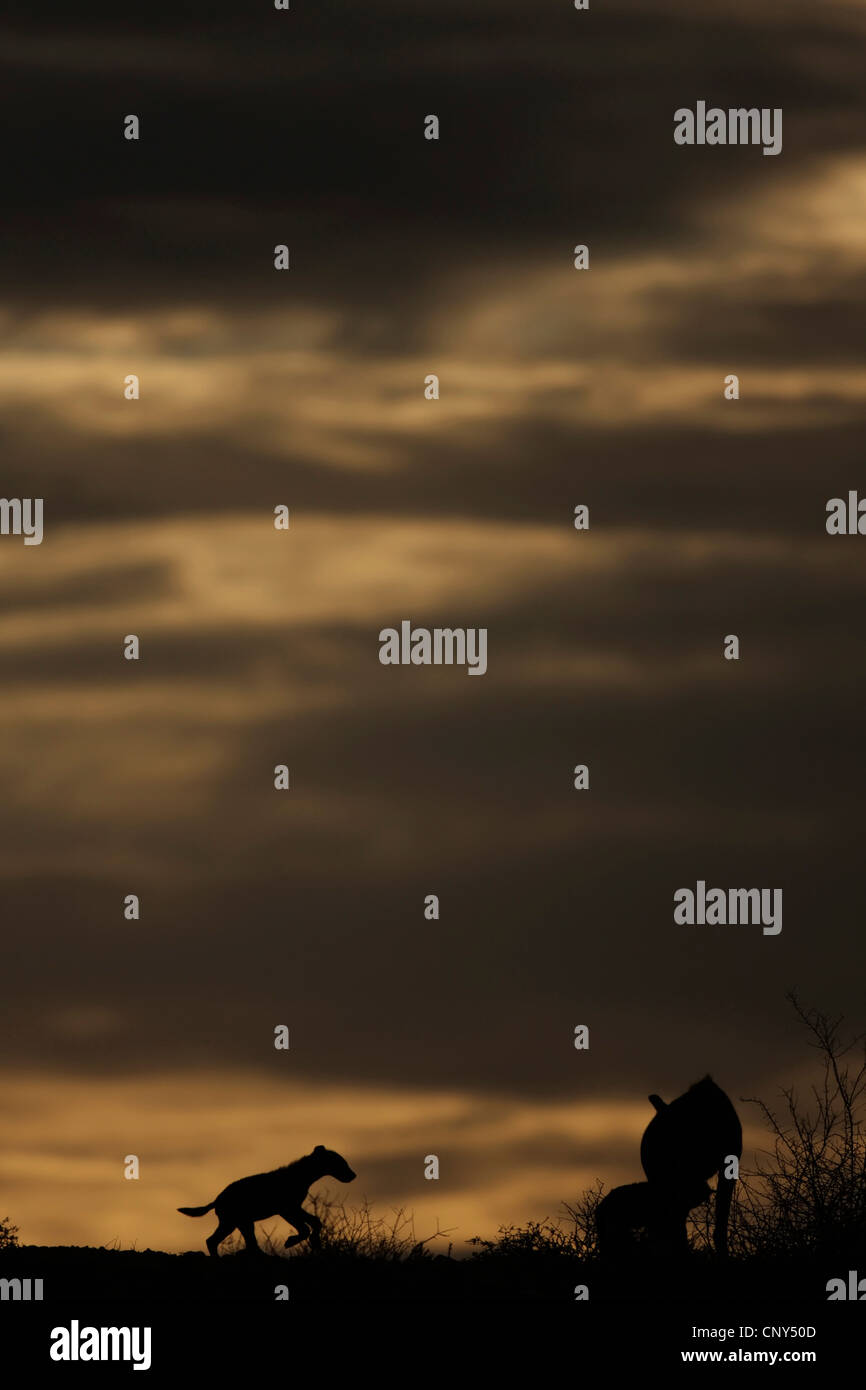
x: 807, y: 1195
x: 8, y: 1234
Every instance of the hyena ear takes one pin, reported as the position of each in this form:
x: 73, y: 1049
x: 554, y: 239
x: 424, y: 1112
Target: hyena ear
x: 319, y: 1149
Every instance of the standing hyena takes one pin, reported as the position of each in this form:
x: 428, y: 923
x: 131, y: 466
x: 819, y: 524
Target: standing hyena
x: 280, y: 1193
x: 688, y: 1141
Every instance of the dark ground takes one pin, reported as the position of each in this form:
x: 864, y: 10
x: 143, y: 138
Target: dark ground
x: 120, y: 1275
x: 430, y: 1320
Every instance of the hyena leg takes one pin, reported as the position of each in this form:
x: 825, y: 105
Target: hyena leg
x: 304, y: 1223
x: 316, y: 1228
x: 248, y: 1231
x: 224, y: 1229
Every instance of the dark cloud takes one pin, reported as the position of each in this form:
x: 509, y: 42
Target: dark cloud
x: 308, y: 127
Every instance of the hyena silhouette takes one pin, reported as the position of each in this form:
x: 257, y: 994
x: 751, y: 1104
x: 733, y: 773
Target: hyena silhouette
x: 645, y: 1206
x: 279, y: 1193
x: 688, y: 1141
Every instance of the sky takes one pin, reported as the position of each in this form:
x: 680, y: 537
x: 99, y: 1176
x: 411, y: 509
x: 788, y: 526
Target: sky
x: 259, y: 647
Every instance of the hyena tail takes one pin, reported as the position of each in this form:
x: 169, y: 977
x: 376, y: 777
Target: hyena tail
x: 196, y: 1211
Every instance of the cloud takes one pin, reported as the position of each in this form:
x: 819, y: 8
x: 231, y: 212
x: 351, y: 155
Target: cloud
x: 659, y: 334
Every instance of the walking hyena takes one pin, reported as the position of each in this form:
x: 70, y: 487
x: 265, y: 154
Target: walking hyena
x: 280, y: 1193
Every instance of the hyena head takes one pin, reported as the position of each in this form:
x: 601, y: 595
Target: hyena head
x: 333, y: 1165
